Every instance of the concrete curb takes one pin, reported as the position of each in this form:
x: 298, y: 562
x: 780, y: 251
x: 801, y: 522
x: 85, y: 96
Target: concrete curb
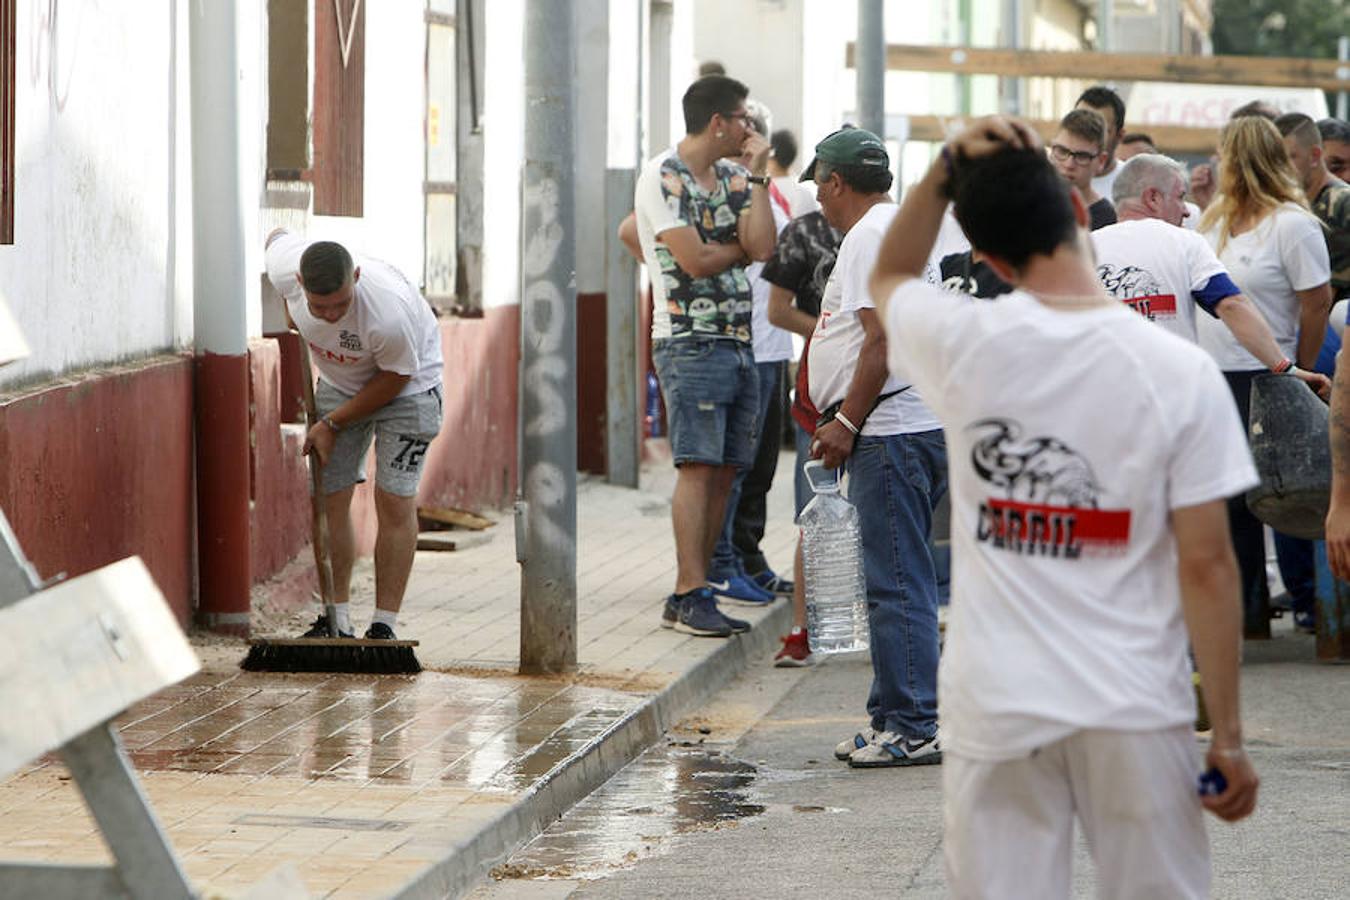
x: 573, y: 779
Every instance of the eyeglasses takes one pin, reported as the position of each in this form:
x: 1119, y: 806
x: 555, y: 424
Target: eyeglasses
x: 1062, y: 153
x: 743, y: 116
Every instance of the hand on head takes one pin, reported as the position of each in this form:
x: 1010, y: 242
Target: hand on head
x: 992, y: 134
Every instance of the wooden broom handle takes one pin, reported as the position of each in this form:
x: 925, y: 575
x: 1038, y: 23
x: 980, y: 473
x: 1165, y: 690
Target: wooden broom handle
x: 318, y: 518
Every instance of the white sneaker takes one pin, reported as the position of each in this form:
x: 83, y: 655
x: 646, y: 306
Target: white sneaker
x: 845, y: 749
x: 891, y: 749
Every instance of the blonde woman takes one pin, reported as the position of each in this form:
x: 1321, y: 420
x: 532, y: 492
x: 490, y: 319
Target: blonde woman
x: 1271, y: 244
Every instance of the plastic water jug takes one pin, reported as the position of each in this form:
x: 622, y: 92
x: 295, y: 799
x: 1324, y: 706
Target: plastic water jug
x: 836, y: 591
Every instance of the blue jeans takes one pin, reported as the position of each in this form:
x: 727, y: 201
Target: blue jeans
x: 710, y: 389
x: 895, y: 483
x: 801, y: 488
x: 725, y: 560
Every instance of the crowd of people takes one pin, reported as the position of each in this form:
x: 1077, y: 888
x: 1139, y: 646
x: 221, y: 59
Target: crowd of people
x: 1088, y: 429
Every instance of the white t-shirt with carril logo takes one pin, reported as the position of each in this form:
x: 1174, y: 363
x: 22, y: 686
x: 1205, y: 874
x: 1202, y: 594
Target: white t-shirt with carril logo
x: 388, y: 327
x: 1071, y: 436
x: 1162, y: 272
x: 838, y: 337
x: 1284, y: 253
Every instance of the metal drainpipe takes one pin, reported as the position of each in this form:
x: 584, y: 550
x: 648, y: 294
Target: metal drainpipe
x: 220, y: 332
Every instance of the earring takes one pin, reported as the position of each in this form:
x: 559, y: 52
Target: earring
x: 719, y: 134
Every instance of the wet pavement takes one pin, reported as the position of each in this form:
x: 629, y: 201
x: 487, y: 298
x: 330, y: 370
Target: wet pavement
x: 362, y: 784
x: 776, y: 816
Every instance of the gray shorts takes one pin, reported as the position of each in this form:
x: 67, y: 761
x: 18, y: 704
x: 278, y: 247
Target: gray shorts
x: 402, y: 431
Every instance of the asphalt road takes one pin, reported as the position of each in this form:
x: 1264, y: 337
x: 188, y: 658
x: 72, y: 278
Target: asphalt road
x: 745, y: 800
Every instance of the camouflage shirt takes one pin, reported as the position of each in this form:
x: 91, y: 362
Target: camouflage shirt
x: 1332, y: 206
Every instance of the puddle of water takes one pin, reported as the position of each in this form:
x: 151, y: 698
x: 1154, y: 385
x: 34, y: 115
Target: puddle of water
x: 667, y: 791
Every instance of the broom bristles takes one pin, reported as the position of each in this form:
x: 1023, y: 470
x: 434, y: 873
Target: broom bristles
x: 355, y: 656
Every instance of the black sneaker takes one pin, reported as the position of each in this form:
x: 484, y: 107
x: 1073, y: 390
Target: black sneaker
x: 671, y: 614
x: 320, y: 629
x: 738, y: 626
x: 699, y: 615
x: 378, y: 631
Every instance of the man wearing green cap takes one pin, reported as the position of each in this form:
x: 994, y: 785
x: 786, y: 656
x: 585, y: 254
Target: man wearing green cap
x: 892, y: 447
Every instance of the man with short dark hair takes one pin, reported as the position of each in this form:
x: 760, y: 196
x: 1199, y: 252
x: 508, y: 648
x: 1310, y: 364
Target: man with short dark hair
x: 1335, y: 146
x: 377, y: 348
x: 1066, y: 692
x: 1077, y: 152
x: 891, y: 445
x: 700, y: 218
x: 1133, y: 144
x: 1328, y: 195
x: 1107, y: 104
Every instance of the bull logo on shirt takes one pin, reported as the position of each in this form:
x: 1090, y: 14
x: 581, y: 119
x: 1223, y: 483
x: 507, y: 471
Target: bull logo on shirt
x: 1049, y: 502
x: 1140, y: 290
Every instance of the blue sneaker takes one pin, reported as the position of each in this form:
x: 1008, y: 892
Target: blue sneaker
x: 671, y: 613
x: 699, y: 615
x: 738, y: 588
x: 769, y: 581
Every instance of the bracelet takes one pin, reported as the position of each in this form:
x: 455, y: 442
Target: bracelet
x: 328, y: 420
x: 843, y: 420
x: 1282, y: 366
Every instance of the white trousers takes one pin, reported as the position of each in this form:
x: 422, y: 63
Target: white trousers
x: 1009, y: 824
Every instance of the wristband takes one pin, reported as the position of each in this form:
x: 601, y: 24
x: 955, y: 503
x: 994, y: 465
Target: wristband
x: 328, y: 420
x: 843, y: 420
x: 1282, y: 366
x: 947, y: 163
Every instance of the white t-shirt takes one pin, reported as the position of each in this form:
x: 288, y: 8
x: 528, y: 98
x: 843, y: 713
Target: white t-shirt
x: 838, y: 337
x: 1161, y: 272
x: 1285, y: 253
x: 388, y: 327
x: 1103, y: 184
x: 1070, y: 438
x: 801, y: 198
x: 771, y: 343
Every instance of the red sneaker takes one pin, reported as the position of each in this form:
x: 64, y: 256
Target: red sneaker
x: 796, y: 652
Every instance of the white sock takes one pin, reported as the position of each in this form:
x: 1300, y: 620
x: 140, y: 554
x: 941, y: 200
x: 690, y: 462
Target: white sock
x: 385, y: 616
x: 342, y: 612
x: 797, y: 629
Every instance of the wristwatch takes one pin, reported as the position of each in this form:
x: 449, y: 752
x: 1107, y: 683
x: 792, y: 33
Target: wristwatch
x: 761, y: 180
x: 333, y: 426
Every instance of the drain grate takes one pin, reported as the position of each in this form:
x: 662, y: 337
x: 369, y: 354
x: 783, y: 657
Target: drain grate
x: 321, y: 822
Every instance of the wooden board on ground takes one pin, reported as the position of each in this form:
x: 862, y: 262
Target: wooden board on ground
x: 442, y: 540
x: 456, y: 518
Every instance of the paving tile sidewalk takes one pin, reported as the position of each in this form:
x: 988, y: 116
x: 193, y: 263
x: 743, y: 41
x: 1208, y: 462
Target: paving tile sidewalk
x: 395, y: 785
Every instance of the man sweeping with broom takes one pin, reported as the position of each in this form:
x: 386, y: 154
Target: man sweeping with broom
x: 375, y: 342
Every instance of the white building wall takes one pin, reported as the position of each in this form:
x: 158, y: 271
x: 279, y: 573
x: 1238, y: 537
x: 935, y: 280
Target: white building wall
x: 96, y: 208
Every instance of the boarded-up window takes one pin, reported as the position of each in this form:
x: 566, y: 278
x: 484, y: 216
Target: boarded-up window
x: 7, y: 121
x: 439, y: 275
x: 339, y: 106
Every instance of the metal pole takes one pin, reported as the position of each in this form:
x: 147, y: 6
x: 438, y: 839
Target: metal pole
x: 1105, y: 27
x: 546, y: 511
x: 622, y: 422
x: 1342, y: 54
x: 872, y: 67
x: 1010, y: 89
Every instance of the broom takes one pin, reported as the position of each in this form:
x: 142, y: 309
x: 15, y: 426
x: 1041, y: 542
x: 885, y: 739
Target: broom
x: 333, y: 653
